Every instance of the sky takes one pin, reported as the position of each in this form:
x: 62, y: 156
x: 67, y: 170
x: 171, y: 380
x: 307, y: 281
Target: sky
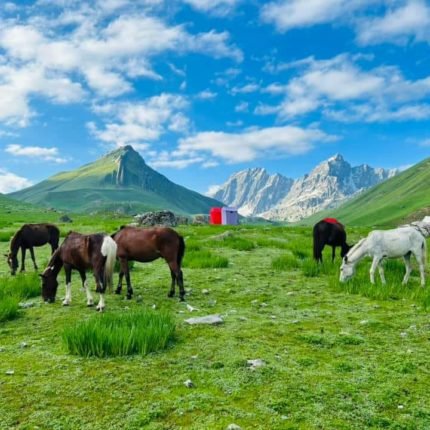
x: 205, y: 88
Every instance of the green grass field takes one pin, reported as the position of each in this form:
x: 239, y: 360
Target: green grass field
x: 337, y: 356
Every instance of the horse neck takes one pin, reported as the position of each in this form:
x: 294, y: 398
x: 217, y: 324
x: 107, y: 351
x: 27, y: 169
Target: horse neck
x: 358, y: 252
x: 15, y: 243
x: 55, y: 263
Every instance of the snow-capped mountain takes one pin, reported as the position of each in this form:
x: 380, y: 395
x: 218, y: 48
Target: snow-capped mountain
x: 253, y: 191
x: 276, y: 197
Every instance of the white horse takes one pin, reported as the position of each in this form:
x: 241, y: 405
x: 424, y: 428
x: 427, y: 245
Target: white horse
x: 400, y: 242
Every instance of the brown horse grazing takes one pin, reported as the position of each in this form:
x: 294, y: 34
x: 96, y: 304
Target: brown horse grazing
x: 28, y: 236
x: 329, y: 231
x: 145, y: 245
x: 81, y: 252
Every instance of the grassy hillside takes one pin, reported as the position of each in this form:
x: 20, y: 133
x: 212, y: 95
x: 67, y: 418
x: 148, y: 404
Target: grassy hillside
x: 401, y: 199
x: 120, y: 181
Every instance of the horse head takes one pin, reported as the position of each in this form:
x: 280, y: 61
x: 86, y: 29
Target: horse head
x: 347, y: 270
x: 12, y: 262
x: 49, y: 285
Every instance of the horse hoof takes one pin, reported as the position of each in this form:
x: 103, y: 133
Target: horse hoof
x: 170, y: 295
x: 90, y: 305
x: 182, y: 299
x: 129, y: 297
x: 117, y: 291
x: 66, y: 303
x: 100, y: 309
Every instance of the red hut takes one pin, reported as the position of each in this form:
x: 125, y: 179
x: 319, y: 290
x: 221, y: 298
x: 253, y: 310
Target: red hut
x: 215, y: 216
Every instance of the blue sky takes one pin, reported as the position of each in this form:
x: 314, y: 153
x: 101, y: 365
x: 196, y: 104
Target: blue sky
x: 204, y: 88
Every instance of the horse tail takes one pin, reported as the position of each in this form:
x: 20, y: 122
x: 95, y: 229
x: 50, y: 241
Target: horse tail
x: 181, y: 251
x: 108, y: 250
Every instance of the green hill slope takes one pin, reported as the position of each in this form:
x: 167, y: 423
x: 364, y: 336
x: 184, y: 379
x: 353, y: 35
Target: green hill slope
x: 400, y: 199
x: 119, y: 181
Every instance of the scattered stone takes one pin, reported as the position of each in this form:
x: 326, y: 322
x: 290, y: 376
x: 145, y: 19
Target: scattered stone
x: 200, y: 219
x: 154, y: 306
x: 208, y: 320
x: 65, y: 218
x: 23, y: 345
x: 295, y: 322
x: 139, y: 299
x: 149, y: 219
x: 400, y: 407
x: 233, y: 427
x: 254, y: 302
x: 212, y: 303
x: 290, y: 293
x: 10, y: 372
x: 182, y: 220
x: 264, y: 305
x: 364, y: 322
x: 403, y: 334
x: 205, y: 292
x: 26, y: 305
x: 243, y: 318
x: 2, y: 349
x: 255, y: 364
x: 284, y: 417
x: 273, y: 317
x: 189, y: 383
x: 191, y: 308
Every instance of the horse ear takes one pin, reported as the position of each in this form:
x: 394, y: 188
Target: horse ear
x: 345, y: 259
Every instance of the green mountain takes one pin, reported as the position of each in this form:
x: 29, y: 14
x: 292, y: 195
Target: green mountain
x: 120, y: 181
x: 401, y: 199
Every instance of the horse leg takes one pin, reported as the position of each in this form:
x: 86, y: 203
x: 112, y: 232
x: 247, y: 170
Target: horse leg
x: 34, y: 259
x: 171, y: 293
x: 174, y: 267
x: 422, y: 264
x: 101, y: 288
x: 333, y: 253
x: 23, y: 250
x: 373, y: 267
x: 68, y: 271
x: 320, y: 254
x: 90, y: 301
x: 126, y: 271
x: 381, y: 272
x: 407, y: 259
x: 121, y: 277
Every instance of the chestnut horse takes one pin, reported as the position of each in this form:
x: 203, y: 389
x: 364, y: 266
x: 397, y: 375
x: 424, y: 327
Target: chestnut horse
x: 329, y: 231
x: 28, y: 236
x: 145, y: 245
x: 81, y: 252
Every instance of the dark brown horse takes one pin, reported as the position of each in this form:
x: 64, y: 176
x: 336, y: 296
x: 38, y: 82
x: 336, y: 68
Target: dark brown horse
x: 329, y: 231
x: 81, y: 252
x: 144, y: 245
x: 27, y: 237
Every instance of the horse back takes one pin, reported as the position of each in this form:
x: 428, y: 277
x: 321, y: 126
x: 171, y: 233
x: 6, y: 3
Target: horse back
x: 81, y: 251
x: 146, y: 244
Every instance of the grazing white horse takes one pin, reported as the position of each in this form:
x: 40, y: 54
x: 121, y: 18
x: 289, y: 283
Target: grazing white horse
x: 400, y: 242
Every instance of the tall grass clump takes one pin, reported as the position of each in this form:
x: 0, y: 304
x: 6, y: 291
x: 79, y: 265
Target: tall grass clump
x: 204, y: 260
x: 312, y: 268
x: 20, y: 286
x: 9, y: 308
x: 285, y: 262
x: 111, y: 335
x: 264, y: 242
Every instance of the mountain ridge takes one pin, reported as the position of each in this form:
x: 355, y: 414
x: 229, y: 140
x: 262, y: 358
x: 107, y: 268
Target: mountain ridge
x: 118, y: 181
x: 328, y: 185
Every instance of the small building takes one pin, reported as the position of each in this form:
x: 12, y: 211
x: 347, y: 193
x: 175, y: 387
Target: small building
x: 230, y: 216
x: 215, y: 216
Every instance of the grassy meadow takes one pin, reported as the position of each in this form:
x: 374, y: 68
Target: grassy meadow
x: 336, y: 356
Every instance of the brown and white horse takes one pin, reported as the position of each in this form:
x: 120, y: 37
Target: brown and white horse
x: 148, y: 244
x: 81, y: 252
x: 27, y: 237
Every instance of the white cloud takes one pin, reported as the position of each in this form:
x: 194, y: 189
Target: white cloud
x: 173, y: 160
x: 410, y: 21
x: 252, y: 144
x: 288, y: 14
x: 215, y: 7
x: 206, y: 95
x: 100, y: 52
x: 245, y: 89
x: 242, y: 107
x: 10, y: 182
x: 142, y: 122
x: 212, y: 190
x: 343, y: 90
x: 35, y: 152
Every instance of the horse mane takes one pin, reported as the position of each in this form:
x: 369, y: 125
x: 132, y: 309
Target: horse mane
x: 13, y: 241
x: 355, y: 248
